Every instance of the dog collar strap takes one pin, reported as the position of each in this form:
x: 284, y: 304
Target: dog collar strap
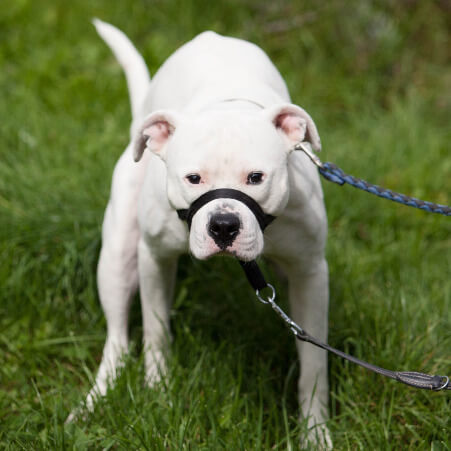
x: 226, y: 193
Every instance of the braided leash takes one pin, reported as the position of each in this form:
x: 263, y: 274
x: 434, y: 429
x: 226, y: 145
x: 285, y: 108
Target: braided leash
x: 334, y: 174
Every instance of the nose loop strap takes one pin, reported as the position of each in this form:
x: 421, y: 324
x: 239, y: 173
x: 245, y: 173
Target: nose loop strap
x: 263, y: 219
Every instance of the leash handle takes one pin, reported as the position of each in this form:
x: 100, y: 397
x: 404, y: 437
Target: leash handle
x: 412, y: 378
x: 334, y: 174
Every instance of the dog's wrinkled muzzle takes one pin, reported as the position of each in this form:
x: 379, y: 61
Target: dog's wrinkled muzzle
x: 262, y: 218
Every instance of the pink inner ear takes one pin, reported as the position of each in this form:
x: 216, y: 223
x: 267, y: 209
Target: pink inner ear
x: 158, y: 133
x: 292, y: 125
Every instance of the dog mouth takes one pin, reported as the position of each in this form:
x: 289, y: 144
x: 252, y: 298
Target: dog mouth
x: 225, y: 253
x: 227, y: 228
x: 244, y: 248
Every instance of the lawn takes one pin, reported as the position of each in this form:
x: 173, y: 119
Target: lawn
x: 376, y: 77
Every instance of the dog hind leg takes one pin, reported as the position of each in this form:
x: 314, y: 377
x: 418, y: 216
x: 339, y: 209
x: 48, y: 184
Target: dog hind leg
x: 117, y: 271
x: 157, y: 278
x: 117, y: 279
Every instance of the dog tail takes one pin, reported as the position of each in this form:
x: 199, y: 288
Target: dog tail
x: 136, y: 72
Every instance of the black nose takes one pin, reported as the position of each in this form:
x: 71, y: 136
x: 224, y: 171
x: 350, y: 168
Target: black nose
x: 224, y: 228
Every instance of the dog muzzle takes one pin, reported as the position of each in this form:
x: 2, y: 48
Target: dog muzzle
x: 251, y: 268
x: 262, y: 218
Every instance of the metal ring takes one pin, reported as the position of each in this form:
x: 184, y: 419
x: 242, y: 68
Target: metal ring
x: 444, y: 385
x: 270, y: 299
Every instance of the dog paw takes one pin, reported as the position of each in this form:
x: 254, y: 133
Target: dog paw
x: 81, y: 412
x: 318, y: 437
x: 156, y: 368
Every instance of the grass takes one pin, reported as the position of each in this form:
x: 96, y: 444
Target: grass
x: 375, y: 76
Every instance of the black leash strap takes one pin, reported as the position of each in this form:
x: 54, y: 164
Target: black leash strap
x: 412, y: 378
x: 254, y: 275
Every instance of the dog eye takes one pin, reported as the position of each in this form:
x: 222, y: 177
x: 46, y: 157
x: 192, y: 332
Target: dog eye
x: 194, y: 179
x: 254, y: 178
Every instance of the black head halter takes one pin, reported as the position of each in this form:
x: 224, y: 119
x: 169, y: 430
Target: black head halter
x: 226, y: 193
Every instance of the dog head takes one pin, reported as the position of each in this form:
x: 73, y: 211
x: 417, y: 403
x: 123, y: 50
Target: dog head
x: 245, y: 151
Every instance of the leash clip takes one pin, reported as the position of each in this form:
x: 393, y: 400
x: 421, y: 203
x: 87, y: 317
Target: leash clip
x: 297, y: 330
x: 270, y: 299
x: 444, y: 385
x: 307, y: 149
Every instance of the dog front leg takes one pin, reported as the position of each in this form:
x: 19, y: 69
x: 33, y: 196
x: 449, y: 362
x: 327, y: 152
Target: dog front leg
x: 309, y: 299
x: 156, y: 278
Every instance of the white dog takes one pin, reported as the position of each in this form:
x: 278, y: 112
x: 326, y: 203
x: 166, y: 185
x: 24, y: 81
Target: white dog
x: 216, y: 115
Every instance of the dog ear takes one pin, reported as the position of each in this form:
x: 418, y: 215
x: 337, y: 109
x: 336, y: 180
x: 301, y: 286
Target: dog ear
x: 154, y: 133
x: 295, y: 124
